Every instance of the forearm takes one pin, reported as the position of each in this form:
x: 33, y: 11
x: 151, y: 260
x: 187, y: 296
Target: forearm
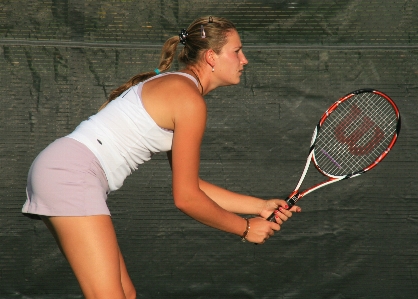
x: 200, y: 207
x: 231, y: 201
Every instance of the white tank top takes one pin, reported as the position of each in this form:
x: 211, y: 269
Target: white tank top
x: 123, y: 135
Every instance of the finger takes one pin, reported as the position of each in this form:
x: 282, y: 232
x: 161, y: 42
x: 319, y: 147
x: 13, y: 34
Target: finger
x: 259, y: 243
x: 283, y: 204
x: 296, y: 209
x: 278, y: 219
x: 275, y: 226
x: 283, y: 214
x: 268, y: 233
x: 286, y: 212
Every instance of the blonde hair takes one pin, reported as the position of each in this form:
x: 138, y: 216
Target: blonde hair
x: 216, y: 30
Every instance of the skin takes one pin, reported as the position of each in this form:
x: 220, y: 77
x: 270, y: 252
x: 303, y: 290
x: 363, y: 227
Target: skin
x: 174, y: 102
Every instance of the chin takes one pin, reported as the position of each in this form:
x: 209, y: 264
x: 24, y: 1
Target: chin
x: 234, y: 83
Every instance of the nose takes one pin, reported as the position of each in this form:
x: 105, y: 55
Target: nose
x: 244, y: 60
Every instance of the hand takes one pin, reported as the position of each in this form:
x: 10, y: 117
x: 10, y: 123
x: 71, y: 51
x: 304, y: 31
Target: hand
x: 280, y: 209
x: 260, y: 230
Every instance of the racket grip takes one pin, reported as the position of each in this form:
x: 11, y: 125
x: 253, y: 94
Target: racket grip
x: 290, y: 202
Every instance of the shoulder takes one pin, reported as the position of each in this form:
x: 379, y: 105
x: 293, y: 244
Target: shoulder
x: 185, y: 95
x: 175, y: 81
x: 172, y: 90
x: 189, y: 109
x: 172, y: 99
x: 172, y: 85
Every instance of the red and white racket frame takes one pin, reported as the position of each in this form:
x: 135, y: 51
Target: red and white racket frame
x: 296, y: 195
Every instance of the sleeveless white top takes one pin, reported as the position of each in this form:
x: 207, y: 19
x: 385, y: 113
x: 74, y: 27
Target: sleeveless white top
x: 123, y: 135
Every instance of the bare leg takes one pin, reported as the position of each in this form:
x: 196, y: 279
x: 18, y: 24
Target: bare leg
x: 90, y: 246
x: 127, y: 285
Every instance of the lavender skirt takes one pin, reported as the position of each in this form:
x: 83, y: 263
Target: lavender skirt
x: 66, y: 179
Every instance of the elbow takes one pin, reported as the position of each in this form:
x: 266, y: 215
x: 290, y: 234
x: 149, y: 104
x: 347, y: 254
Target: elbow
x: 181, y: 205
x: 184, y: 200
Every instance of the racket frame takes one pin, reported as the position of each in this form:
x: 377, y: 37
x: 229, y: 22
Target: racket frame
x: 296, y: 195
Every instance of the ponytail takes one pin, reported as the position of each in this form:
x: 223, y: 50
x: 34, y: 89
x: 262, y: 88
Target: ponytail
x: 167, y: 55
x: 203, y: 34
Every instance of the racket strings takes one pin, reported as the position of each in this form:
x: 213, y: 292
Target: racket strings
x: 355, y: 134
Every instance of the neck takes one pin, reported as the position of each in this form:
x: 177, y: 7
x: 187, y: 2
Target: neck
x: 198, y: 80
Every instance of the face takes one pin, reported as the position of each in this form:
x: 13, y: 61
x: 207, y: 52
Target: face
x: 229, y: 63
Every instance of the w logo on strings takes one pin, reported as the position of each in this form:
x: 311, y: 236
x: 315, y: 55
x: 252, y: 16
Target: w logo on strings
x: 367, y: 132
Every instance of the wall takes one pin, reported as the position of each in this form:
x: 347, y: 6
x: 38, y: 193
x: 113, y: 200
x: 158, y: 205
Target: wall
x: 59, y: 60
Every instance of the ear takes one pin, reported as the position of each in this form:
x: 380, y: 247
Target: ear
x: 210, y: 57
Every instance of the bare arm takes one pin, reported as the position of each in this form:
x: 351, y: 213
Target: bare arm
x: 231, y: 201
x: 190, y: 122
x: 189, y: 197
x: 208, y: 204
x: 228, y: 200
x: 239, y: 203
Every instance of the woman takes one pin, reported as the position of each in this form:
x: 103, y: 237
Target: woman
x: 69, y: 181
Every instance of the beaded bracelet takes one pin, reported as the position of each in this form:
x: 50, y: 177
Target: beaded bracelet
x: 244, y: 235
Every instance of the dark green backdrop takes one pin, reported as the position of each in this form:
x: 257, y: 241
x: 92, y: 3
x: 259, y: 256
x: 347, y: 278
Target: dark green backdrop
x: 59, y: 59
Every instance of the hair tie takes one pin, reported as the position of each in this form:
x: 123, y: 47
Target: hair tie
x: 157, y: 71
x: 183, y: 36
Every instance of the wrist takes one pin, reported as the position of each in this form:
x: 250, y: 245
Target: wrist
x: 262, y: 205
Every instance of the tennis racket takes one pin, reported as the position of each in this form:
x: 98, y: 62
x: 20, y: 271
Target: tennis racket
x: 352, y: 137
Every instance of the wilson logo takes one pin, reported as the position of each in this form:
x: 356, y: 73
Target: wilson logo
x: 363, y: 129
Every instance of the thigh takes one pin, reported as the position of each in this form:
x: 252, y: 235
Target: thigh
x: 90, y: 246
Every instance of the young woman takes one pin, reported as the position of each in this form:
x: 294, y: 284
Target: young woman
x: 69, y: 181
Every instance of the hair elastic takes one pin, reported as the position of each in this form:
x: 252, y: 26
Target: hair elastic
x: 183, y: 35
x: 157, y: 71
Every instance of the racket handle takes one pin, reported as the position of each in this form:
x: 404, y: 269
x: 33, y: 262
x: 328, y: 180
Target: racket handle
x: 290, y: 202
